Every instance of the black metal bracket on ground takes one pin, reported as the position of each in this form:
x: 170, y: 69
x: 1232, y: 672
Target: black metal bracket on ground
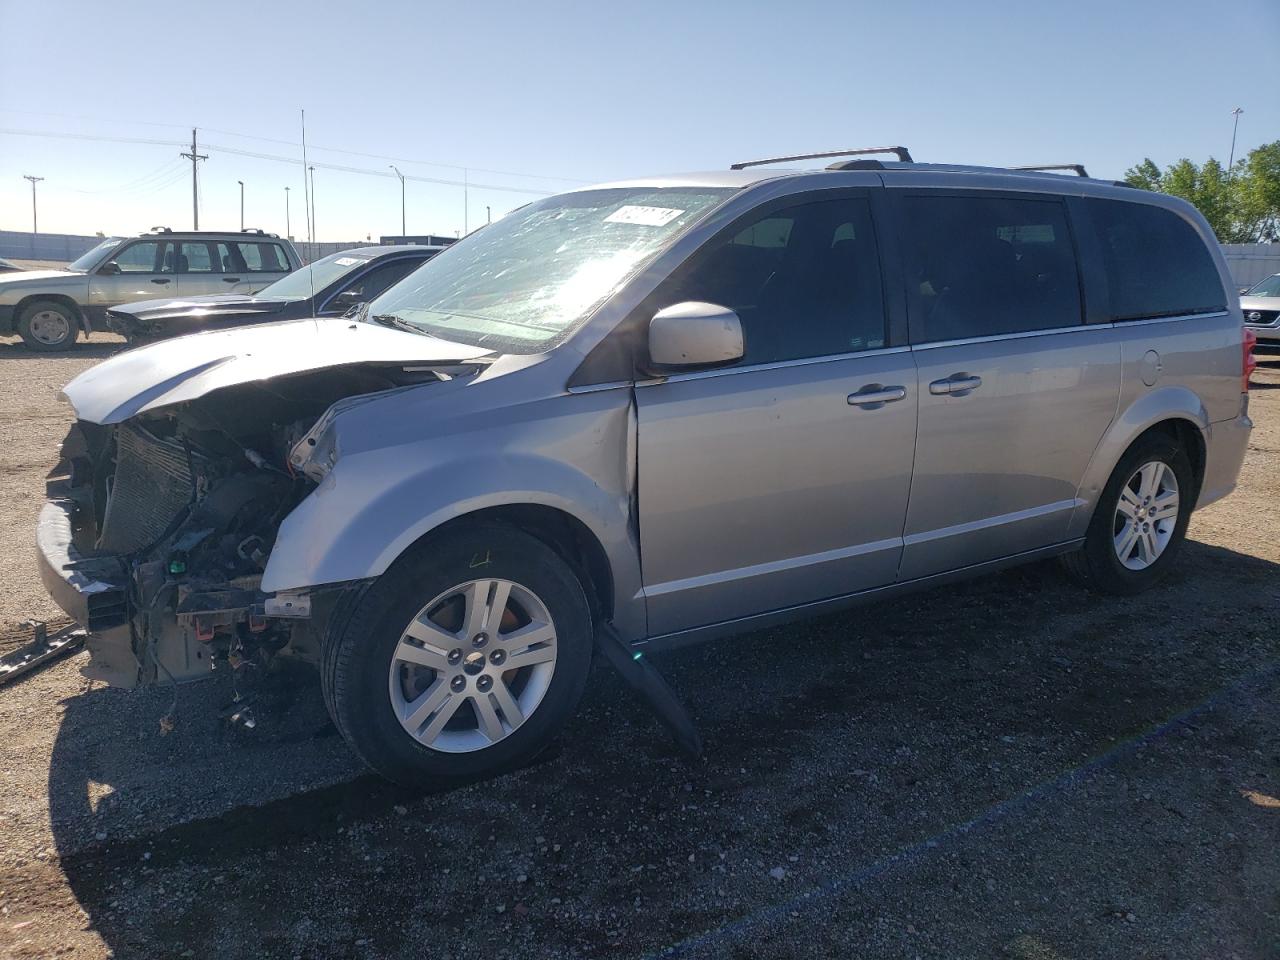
x: 645, y: 679
x: 42, y: 649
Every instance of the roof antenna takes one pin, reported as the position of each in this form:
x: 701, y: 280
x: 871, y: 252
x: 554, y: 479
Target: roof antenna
x: 311, y: 253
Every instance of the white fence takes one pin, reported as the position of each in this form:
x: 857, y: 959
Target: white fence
x: 1251, y: 262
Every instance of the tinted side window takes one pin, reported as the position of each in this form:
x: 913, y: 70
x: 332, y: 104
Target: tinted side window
x: 805, y: 281
x: 141, y: 258
x: 982, y: 266
x: 263, y: 257
x: 1156, y: 264
x: 194, y: 257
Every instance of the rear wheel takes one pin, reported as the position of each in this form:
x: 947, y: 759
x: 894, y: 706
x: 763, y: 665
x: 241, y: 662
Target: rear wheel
x: 1140, y: 521
x: 48, y: 325
x: 463, y: 659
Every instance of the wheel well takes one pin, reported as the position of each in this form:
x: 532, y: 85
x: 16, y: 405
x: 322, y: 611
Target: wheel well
x: 61, y: 298
x: 1186, y: 435
x: 564, y: 533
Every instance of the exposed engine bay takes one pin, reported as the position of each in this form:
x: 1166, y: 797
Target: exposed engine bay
x: 172, y: 516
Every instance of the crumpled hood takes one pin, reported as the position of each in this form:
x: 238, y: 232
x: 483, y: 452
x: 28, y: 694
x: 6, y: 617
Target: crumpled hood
x: 185, y: 368
x: 213, y: 305
x: 37, y: 277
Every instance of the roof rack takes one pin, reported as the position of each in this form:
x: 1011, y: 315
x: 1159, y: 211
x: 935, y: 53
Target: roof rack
x: 902, y: 153
x: 1078, y: 168
x: 160, y: 230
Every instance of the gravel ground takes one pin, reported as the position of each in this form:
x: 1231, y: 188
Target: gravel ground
x: 1009, y: 767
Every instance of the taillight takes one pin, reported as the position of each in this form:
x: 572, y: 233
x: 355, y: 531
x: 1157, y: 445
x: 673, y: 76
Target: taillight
x: 1249, y: 362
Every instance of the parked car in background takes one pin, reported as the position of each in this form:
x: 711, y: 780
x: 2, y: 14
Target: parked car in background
x: 8, y: 266
x: 1261, y: 308
x: 49, y: 308
x: 327, y: 288
x: 788, y: 391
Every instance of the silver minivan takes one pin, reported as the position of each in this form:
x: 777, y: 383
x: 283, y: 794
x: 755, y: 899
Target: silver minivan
x: 644, y: 414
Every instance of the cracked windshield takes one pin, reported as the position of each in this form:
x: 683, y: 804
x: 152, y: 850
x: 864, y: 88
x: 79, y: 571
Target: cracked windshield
x: 524, y: 282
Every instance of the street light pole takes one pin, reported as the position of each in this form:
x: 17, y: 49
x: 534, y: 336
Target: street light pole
x: 241, y: 182
x: 288, y: 233
x: 34, y: 222
x: 1231, y: 162
x: 403, y: 232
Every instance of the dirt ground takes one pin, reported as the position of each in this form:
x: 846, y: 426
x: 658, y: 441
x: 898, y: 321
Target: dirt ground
x: 1010, y: 767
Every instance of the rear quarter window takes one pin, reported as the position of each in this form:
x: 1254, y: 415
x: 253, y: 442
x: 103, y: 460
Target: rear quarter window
x: 264, y: 257
x: 1155, y: 262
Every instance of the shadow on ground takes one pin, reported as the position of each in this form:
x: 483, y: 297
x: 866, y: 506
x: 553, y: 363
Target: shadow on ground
x: 92, y: 350
x: 832, y: 746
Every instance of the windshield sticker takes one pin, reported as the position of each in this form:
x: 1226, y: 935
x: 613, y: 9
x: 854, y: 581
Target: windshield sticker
x: 645, y: 216
x: 348, y: 261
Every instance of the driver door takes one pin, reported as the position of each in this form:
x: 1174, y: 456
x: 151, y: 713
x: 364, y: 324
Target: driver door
x: 767, y: 484
x: 140, y: 270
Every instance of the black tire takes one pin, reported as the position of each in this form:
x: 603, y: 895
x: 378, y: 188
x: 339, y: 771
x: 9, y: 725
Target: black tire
x: 1097, y: 565
x: 45, y: 345
x: 360, y: 644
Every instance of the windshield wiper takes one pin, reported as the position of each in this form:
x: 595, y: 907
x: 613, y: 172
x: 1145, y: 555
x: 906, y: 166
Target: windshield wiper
x: 391, y: 320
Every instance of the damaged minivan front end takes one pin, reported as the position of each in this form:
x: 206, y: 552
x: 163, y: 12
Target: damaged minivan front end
x: 172, y: 484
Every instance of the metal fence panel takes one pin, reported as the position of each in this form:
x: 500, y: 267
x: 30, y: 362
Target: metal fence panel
x: 1251, y: 262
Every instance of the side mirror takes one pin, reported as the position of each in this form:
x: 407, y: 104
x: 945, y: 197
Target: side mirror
x: 694, y: 334
x: 109, y: 269
x: 348, y: 299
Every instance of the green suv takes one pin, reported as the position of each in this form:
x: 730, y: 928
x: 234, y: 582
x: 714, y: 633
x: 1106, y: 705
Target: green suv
x: 47, y: 308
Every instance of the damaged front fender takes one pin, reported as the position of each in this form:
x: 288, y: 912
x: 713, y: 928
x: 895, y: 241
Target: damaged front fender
x: 569, y: 452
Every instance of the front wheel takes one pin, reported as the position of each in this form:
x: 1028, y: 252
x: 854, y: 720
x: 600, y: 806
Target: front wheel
x: 1140, y: 520
x: 462, y: 660
x: 48, y: 325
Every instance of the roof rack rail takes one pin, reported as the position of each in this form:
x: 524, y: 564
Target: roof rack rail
x: 1078, y: 168
x: 160, y: 230
x: 902, y: 154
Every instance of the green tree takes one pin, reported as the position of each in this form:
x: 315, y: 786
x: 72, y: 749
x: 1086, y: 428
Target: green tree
x: 1242, y: 206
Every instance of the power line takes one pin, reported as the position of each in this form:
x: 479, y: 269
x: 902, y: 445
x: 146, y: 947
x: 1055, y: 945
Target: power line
x: 159, y: 173
x: 365, y: 171
x: 288, y: 143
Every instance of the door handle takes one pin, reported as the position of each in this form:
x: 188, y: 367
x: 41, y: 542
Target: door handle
x: 160, y: 280
x: 874, y: 396
x: 230, y: 279
x: 956, y: 385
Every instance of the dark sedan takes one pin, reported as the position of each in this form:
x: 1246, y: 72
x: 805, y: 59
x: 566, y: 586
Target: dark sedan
x: 329, y: 287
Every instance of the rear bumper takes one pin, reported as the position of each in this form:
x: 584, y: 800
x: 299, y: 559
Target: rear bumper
x: 1226, y: 443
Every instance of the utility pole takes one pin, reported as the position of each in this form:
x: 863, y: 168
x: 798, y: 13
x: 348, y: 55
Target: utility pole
x: 1234, y: 126
x: 488, y: 216
x: 401, y: 176
x: 195, y: 158
x: 466, y: 201
x: 241, y: 182
x: 287, y: 232
x: 34, y: 222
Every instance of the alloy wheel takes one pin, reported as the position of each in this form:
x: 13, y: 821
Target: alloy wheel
x: 473, y: 665
x: 1146, y: 515
x: 49, y: 327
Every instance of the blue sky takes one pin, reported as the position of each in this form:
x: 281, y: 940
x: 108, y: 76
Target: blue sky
x: 586, y: 92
